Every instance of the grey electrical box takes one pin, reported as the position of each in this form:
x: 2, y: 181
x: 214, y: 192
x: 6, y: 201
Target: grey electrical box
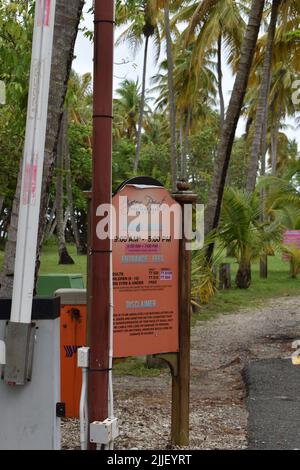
x: 28, y: 414
x: 19, y: 341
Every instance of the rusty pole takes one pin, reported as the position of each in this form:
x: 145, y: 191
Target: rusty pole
x: 100, y: 250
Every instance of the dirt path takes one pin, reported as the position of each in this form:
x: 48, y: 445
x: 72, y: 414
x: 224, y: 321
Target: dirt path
x: 220, y: 350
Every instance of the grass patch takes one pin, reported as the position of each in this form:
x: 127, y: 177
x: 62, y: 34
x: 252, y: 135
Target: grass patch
x: 278, y: 284
x: 49, y: 262
x: 134, y: 366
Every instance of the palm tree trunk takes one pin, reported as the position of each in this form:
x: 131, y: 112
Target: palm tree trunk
x: 53, y: 227
x: 7, y: 273
x: 263, y: 261
x: 67, y: 19
x: 1, y: 202
x: 80, y: 249
x: 142, y: 108
x: 64, y: 257
x: 243, y: 276
x: 262, y: 106
x: 220, y: 78
x: 172, y: 107
x: 181, y: 141
x: 50, y: 222
x: 274, y: 142
x: 186, y: 144
x: 231, y: 120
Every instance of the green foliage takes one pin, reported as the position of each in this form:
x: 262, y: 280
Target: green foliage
x: 278, y: 284
x: 203, y: 146
x: 293, y: 253
x: 241, y: 229
x: 81, y: 162
x: 123, y: 154
x: 15, y: 54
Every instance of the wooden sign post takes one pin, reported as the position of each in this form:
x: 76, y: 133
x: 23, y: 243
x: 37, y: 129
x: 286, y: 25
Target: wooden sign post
x: 161, y: 328
x: 152, y: 300
x: 181, y: 380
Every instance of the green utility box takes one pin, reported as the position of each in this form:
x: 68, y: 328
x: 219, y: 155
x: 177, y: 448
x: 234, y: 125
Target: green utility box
x: 49, y: 283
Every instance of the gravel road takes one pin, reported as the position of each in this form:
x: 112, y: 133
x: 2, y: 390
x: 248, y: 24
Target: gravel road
x: 220, y: 350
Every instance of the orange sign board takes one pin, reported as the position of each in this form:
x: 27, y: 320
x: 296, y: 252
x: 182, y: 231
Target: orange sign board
x: 145, y: 278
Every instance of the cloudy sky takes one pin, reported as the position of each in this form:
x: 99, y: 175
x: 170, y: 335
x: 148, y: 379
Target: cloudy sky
x: 132, y: 68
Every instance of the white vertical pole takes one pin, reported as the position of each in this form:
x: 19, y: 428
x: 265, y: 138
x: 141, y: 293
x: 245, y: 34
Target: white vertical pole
x: 33, y: 161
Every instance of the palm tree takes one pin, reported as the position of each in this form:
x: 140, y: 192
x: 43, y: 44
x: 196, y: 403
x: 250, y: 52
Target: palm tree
x: 259, y: 136
x: 194, y: 95
x: 232, y: 117
x: 126, y: 108
x: 64, y: 257
x: 144, y: 16
x: 78, y: 111
x: 285, y: 69
x: 172, y: 105
x: 241, y: 229
x: 282, y: 203
x: 283, y: 196
x: 215, y: 24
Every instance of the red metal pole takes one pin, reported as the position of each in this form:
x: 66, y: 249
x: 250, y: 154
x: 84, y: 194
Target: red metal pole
x: 99, y: 262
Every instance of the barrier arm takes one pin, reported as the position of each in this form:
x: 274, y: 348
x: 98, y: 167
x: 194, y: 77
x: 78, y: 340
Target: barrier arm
x: 20, y: 331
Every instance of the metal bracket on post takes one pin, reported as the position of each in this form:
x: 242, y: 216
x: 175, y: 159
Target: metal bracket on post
x: 19, y: 340
x: 171, y: 359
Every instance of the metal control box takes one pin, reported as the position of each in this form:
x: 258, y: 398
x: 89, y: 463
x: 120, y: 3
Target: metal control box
x: 28, y: 413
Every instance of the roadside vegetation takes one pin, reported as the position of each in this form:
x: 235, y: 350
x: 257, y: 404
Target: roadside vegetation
x: 172, y: 123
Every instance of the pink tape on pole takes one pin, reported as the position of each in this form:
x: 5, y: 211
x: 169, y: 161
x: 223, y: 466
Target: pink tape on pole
x: 29, y: 192
x: 47, y: 12
x: 33, y: 180
x: 44, y: 7
x: 25, y: 197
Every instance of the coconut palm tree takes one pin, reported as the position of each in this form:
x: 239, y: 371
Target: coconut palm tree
x: 171, y: 90
x: 285, y: 70
x: 287, y: 12
x: 143, y: 18
x: 126, y: 108
x: 214, y: 26
x: 194, y: 95
x: 283, y: 195
x: 64, y: 257
x: 241, y: 229
x: 232, y: 117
